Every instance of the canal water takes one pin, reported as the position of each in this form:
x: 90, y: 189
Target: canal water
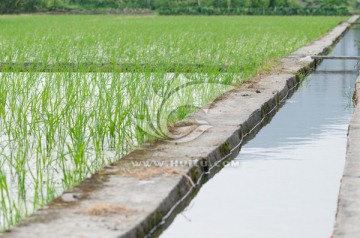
x: 288, y: 178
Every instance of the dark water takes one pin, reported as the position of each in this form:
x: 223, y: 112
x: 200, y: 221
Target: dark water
x: 288, y: 178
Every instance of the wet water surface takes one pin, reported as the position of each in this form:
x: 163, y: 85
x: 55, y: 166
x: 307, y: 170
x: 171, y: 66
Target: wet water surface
x: 288, y: 178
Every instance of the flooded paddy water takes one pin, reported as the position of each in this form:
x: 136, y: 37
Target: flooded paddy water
x: 58, y: 128
x: 289, y: 176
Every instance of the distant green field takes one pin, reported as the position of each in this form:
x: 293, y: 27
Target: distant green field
x: 241, y: 43
x: 77, y: 92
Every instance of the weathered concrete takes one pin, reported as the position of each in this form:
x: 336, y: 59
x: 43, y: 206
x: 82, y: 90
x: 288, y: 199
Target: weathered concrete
x: 125, y: 200
x: 348, y: 214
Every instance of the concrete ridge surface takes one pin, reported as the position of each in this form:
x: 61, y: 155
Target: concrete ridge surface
x: 347, y: 223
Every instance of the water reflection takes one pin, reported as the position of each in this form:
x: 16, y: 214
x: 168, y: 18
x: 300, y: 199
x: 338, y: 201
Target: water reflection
x: 288, y: 181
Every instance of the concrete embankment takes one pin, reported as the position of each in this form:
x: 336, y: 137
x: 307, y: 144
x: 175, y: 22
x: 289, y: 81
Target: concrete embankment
x: 348, y: 213
x: 129, y: 199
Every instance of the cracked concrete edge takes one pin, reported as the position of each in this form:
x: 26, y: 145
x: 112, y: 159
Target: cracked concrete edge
x: 347, y: 223
x: 127, y: 200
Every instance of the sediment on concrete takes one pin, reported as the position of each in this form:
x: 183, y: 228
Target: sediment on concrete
x: 127, y: 200
x: 347, y: 223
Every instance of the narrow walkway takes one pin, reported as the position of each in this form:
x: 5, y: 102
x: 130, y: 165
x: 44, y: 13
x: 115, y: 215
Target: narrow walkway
x: 348, y: 214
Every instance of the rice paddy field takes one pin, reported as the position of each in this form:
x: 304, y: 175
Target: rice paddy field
x: 78, y: 92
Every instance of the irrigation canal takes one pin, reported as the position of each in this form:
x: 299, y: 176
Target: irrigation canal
x: 288, y: 178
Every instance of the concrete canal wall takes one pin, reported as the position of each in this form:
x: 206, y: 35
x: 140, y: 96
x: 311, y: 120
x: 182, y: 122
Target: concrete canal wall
x: 348, y: 214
